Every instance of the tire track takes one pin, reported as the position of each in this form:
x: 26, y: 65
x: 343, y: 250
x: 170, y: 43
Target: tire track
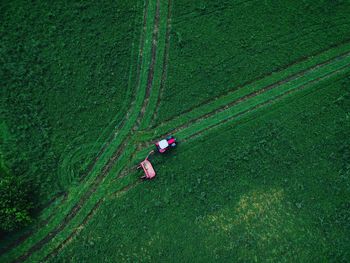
x: 73, y: 212
x: 126, y: 188
x: 111, y: 162
x: 151, y: 68
x: 89, y: 168
x: 268, y: 102
x: 142, y: 145
x: 165, y: 63
x: 76, y: 231
x: 273, y: 100
x: 81, y: 226
x: 104, y: 147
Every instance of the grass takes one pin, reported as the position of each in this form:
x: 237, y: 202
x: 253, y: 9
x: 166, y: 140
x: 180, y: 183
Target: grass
x: 268, y: 188
x: 218, y: 47
x: 254, y: 178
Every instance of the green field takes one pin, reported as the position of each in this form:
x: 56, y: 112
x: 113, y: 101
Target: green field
x: 257, y: 93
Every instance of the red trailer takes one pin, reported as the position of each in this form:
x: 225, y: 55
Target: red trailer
x: 147, y: 168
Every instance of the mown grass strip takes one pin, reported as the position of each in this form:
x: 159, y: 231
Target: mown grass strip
x: 311, y: 87
x: 290, y: 73
x: 264, y: 97
x: 299, y: 89
x: 165, y: 64
x: 158, y: 72
x: 125, y: 130
x: 282, y: 101
x: 150, y: 69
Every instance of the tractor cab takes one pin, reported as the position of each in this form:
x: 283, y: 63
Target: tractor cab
x: 165, y: 144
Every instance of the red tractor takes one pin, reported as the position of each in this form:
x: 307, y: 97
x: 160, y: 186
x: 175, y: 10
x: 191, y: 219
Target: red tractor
x: 165, y: 144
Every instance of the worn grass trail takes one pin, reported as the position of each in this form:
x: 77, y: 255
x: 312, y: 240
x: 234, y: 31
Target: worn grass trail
x: 161, y: 65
